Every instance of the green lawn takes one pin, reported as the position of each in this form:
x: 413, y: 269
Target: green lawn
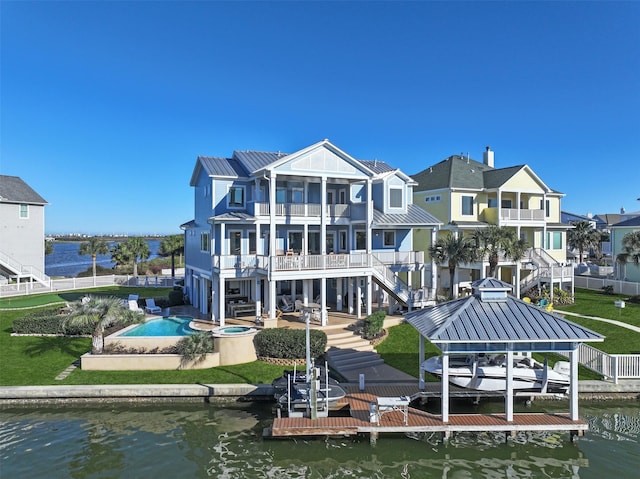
x: 35, y: 360
x: 38, y: 360
x: 595, y: 303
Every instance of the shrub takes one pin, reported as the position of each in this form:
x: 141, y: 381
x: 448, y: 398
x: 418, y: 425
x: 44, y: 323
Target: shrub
x: 176, y: 296
x: 289, y: 343
x: 608, y: 289
x: 634, y: 299
x: 373, y: 325
x: 195, y: 347
x: 47, y: 321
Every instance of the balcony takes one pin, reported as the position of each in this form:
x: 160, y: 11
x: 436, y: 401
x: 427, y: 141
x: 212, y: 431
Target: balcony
x: 491, y: 215
x: 315, y: 261
x: 306, y: 210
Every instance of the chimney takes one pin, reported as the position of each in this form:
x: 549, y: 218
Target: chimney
x: 622, y: 210
x: 487, y: 157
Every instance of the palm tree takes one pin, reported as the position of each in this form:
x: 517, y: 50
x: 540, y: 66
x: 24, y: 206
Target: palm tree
x: 120, y: 254
x: 100, y: 313
x: 131, y: 251
x: 453, y: 250
x: 494, y: 241
x: 630, y: 249
x: 170, y: 246
x: 582, y: 237
x: 93, y: 247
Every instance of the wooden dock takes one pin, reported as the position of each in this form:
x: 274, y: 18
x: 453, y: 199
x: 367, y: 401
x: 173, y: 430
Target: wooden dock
x: 359, y: 420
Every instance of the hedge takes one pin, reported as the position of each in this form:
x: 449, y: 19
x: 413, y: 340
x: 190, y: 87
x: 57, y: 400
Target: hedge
x: 373, y: 324
x: 289, y: 343
x: 47, y: 321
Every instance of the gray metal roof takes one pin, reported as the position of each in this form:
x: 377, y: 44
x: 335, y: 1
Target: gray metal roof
x: 415, y: 216
x: 189, y: 224
x: 14, y: 190
x: 471, y: 320
x: 257, y: 160
x: 234, y: 216
x: 222, y: 167
x: 491, y: 283
x: 377, y: 166
x: 631, y: 222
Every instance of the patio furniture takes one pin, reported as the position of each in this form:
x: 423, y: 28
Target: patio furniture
x: 151, y: 307
x: 133, y: 306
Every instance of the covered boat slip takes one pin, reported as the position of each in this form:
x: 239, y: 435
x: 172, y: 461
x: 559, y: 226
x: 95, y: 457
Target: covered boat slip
x: 399, y: 417
x: 491, y: 321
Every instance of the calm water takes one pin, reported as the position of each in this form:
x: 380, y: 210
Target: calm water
x: 203, y: 440
x: 65, y: 261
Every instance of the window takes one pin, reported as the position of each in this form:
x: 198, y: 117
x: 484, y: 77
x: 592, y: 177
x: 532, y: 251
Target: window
x: 252, y: 242
x: 297, y: 195
x: 544, y: 205
x: 281, y: 195
x: 506, y: 204
x: 330, y: 242
x: 235, y: 242
x: 553, y: 240
x: 236, y: 197
x: 204, y: 242
x: 467, y: 205
x: 24, y: 211
x: 342, y: 238
x: 330, y: 197
x: 433, y: 199
x: 361, y: 240
x: 389, y: 239
x: 342, y: 197
x: 395, y: 198
x: 492, y: 203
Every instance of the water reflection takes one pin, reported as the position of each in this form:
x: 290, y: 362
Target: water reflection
x: 200, y: 440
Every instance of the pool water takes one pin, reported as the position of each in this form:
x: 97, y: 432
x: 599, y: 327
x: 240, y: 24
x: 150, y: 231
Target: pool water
x: 169, y: 326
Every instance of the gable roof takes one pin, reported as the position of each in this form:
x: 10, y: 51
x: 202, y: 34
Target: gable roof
x: 14, y: 190
x: 631, y: 222
x: 462, y: 172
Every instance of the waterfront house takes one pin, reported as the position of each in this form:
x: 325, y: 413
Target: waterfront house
x: 466, y: 195
x: 279, y: 232
x: 628, y: 271
x: 21, y: 231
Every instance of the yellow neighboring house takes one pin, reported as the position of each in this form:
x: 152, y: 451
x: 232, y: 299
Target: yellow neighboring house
x: 467, y: 195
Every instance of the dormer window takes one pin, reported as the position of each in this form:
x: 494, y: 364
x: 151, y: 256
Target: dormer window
x: 395, y: 198
x: 236, y: 197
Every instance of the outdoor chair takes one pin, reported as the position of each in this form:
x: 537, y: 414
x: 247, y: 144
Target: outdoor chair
x: 298, y: 306
x: 133, y: 306
x: 286, y: 307
x: 151, y: 307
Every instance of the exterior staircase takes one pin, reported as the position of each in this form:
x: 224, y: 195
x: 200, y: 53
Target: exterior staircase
x: 396, y: 287
x: 15, y: 268
x: 545, y: 270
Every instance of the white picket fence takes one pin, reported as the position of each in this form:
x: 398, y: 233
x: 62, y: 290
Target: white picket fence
x: 68, y: 284
x: 611, y: 366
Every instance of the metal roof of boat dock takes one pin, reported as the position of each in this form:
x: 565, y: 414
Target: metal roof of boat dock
x: 495, y: 319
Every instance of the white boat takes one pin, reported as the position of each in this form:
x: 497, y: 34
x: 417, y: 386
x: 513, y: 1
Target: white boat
x: 488, y: 372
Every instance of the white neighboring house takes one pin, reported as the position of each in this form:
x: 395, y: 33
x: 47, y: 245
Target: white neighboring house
x: 21, y: 231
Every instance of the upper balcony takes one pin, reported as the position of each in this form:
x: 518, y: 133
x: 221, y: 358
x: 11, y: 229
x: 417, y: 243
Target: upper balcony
x: 496, y: 215
x: 305, y: 210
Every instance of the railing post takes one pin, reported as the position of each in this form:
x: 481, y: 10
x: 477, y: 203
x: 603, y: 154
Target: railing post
x: 614, y: 364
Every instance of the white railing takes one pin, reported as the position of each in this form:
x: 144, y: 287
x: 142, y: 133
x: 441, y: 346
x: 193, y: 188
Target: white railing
x: 611, y: 366
x: 400, y: 257
x: 304, y: 210
x: 23, y: 270
x: 521, y: 215
x: 68, y: 284
x: 619, y: 287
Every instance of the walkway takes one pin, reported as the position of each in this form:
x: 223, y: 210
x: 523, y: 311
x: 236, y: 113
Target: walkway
x: 605, y: 320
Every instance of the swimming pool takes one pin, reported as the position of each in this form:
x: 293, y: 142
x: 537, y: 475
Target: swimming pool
x: 169, y: 326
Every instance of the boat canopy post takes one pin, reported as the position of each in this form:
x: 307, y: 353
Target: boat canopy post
x: 573, y: 384
x: 420, y: 361
x: 445, y: 386
x: 509, y: 392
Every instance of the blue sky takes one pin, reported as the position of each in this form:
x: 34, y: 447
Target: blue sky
x: 105, y: 106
